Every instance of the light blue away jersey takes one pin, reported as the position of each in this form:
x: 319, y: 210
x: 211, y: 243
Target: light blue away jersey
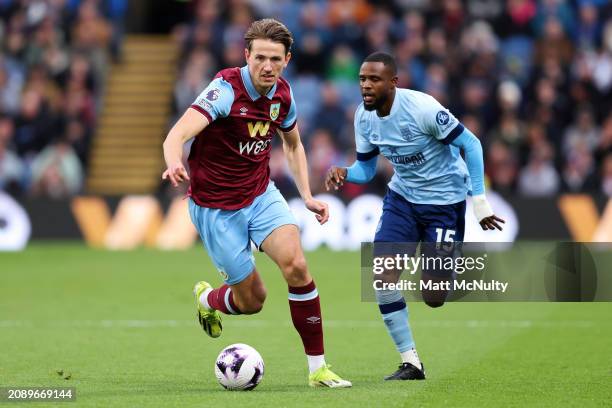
x: 415, y: 137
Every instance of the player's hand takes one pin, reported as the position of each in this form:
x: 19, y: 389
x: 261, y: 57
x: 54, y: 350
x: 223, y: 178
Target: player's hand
x: 320, y: 208
x: 176, y: 173
x: 484, y: 213
x: 490, y: 223
x: 335, y: 178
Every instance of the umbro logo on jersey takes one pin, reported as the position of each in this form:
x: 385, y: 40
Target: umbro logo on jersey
x: 313, y: 319
x: 243, y: 111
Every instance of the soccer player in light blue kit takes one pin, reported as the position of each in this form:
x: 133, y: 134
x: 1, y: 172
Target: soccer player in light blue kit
x: 426, y: 197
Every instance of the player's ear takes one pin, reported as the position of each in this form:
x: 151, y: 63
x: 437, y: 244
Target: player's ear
x: 246, y: 54
x: 394, y: 80
x: 287, y: 58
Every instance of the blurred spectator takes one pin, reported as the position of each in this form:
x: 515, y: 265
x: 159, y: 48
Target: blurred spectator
x: 344, y: 64
x: 579, y: 171
x: 91, y: 31
x: 377, y: 32
x: 91, y: 35
x: 330, y: 113
x: 279, y: 171
x: 346, y: 17
x: 78, y: 136
x: 240, y: 17
x: 35, y: 124
x: 553, y: 43
x: 437, y: 46
x: 473, y: 124
x: 606, y: 176
x: 57, y: 171
x: 436, y: 83
x: 311, y: 46
x: 322, y: 154
x: 12, y: 169
x: 557, y: 10
x: 78, y: 74
x: 453, y: 17
x: 11, y: 84
x: 195, y: 76
x: 589, y: 27
x: 516, y: 20
x: 501, y: 167
x: 510, y: 131
x: 539, y: 178
x: 604, y: 146
x: 509, y: 97
x: 582, y: 133
x: 305, y: 90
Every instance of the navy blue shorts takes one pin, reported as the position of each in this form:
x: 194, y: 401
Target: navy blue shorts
x: 403, y: 221
x: 438, y: 228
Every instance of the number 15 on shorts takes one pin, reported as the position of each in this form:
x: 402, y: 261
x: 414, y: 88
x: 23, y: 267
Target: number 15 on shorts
x: 445, y: 239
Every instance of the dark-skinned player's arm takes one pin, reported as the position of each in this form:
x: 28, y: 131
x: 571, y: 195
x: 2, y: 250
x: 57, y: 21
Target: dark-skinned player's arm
x: 296, y: 158
x: 472, y: 148
x: 360, y: 172
x: 364, y: 168
x: 188, y: 126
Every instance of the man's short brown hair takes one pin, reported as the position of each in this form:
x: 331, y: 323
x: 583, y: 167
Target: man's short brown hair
x: 269, y: 29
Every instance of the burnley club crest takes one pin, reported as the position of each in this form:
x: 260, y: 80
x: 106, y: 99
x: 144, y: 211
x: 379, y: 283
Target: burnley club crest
x: 274, y: 110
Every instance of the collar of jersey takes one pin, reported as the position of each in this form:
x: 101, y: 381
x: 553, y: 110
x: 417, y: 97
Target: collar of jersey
x: 248, y: 84
x: 394, y: 106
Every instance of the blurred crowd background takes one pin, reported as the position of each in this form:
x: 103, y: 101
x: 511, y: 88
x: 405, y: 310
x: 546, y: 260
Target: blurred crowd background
x: 532, y: 79
x: 53, y: 63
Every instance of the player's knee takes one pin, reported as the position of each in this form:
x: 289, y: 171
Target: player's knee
x: 251, y: 306
x: 296, y: 271
x: 260, y: 294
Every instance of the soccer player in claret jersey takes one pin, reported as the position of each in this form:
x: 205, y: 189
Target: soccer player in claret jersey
x: 232, y: 200
x: 426, y: 197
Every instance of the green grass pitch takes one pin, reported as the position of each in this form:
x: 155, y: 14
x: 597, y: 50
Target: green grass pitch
x: 123, y: 324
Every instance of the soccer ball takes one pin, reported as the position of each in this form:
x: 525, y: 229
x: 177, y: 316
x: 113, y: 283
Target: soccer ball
x: 239, y: 367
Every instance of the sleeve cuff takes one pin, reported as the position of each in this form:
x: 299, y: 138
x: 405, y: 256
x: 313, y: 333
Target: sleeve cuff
x: 369, y: 155
x: 203, y: 112
x: 290, y: 127
x: 453, y: 134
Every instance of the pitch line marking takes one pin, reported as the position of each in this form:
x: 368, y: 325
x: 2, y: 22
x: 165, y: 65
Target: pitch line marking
x: 257, y: 323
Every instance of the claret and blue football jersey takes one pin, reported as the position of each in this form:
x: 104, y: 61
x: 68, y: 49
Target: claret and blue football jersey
x: 229, y: 159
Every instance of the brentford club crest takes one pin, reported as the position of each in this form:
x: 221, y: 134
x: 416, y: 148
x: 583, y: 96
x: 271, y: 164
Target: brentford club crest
x: 274, y: 110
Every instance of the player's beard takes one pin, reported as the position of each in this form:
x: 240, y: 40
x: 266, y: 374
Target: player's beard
x: 378, y: 102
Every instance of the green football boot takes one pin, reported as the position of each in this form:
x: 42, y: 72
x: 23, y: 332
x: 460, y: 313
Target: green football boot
x: 210, y: 320
x: 324, y: 377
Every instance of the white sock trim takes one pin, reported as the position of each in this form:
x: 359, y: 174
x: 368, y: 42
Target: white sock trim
x: 306, y: 296
x: 204, y: 298
x: 315, y: 362
x: 411, y: 356
x: 227, y: 302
